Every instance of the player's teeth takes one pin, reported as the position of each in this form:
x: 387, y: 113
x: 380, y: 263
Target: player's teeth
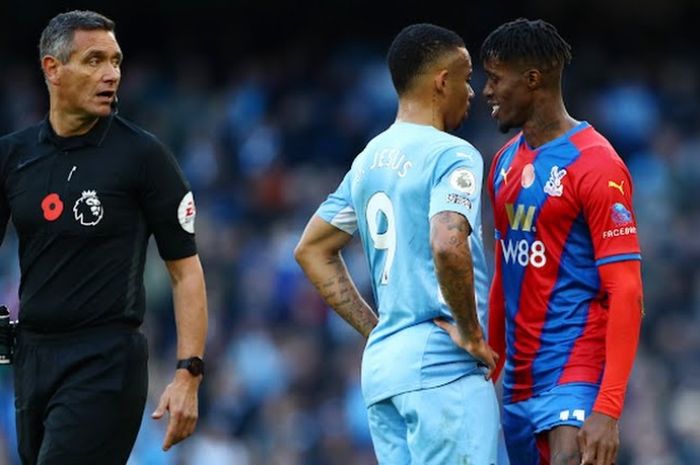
x: 494, y: 110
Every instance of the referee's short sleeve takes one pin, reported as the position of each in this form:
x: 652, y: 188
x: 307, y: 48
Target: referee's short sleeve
x: 167, y: 202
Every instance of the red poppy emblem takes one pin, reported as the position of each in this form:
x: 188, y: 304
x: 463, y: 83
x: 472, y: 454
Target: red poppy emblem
x: 52, y: 207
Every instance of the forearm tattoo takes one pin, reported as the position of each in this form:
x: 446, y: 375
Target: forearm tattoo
x: 454, y: 269
x: 338, y: 291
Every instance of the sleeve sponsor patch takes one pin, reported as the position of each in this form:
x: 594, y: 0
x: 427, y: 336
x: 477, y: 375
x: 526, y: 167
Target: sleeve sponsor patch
x: 186, y: 213
x: 463, y: 180
x: 459, y: 200
x: 620, y: 215
x: 622, y: 218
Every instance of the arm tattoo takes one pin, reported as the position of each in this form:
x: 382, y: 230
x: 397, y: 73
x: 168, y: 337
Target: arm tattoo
x: 339, y: 292
x: 454, y: 268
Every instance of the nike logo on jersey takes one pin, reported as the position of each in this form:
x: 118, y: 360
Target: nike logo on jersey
x: 617, y: 186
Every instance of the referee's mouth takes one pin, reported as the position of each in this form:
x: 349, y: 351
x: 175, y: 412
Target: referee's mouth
x: 106, y: 95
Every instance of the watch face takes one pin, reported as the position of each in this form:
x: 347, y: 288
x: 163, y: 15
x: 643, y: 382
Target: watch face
x: 194, y: 365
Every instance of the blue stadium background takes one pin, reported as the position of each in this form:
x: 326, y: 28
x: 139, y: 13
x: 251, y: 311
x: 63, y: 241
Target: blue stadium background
x: 266, y: 103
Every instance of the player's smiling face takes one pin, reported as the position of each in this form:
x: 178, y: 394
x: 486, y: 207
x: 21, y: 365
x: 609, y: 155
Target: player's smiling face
x: 507, y: 93
x: 88, y: 81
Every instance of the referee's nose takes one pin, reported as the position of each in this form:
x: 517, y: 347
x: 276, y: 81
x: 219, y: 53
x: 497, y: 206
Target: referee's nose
x: 112, y: 73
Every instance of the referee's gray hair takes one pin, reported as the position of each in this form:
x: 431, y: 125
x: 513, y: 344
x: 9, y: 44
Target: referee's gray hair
x: 57, y: 38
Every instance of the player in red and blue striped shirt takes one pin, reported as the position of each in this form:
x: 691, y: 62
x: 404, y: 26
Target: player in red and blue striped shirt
x: 566, y: 300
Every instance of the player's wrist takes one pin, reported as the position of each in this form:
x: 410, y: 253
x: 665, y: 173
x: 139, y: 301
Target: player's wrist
x: 471, y: 335
x: 612, y: 414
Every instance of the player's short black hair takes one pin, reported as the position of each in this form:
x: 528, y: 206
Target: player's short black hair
x: 536, y: 42
x: 57, y: 37
x: 415, y: 47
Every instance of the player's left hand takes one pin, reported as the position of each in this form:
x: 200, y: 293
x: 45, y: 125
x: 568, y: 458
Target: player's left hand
x: 479, y: 349
x: 598, y: 440
x: 180, y: 399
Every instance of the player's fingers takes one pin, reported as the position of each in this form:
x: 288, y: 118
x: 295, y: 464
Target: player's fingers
x: 581, y: 438
x: 601, y: 457
x: 605, y: 454
x: 444, y: 324
x: 588, y: 456
x: 489, y: 375
x: 450, y: 329
x: 490, y: 363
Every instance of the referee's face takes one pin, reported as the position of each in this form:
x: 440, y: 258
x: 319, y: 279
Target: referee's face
x: 88, y: 81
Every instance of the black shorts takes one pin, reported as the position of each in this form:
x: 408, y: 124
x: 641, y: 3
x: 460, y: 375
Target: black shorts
x: 80, y: 397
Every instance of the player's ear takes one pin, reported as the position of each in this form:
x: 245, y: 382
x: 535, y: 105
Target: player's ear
x: 440, y: 80
x: 51, y: 66
x: 533, y: 77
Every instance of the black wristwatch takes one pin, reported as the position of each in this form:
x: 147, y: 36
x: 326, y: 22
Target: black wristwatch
x: 194, y: 365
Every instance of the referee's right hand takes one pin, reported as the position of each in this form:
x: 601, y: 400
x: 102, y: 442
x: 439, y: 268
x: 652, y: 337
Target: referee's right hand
x: 180, y: 399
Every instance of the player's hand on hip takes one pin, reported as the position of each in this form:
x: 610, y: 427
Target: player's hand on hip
x: 476, y: 346
x: 598, y: 440
x: 180, y: 399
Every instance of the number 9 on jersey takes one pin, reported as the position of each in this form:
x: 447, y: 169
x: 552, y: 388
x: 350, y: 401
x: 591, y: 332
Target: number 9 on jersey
x: 386, y: 240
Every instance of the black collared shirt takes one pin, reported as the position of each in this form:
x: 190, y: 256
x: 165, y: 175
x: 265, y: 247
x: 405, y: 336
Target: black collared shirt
x: 84, y: 208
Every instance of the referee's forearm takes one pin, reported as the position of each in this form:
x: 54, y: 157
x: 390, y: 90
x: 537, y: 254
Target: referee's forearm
x: 190, y: 302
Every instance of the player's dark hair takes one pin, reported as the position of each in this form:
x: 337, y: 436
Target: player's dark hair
x: 536, y: 42
x: 416, y: 47
x: 57, y: 37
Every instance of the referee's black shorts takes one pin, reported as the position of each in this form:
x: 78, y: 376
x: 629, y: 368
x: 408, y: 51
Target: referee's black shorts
x: 79, y: 397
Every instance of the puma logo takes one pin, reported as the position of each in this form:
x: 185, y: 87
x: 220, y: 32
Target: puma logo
x: 617, y: 186
x: 504, y: 174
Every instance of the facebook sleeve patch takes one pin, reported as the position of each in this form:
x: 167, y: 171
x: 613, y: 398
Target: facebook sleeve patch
x: 338, y: 210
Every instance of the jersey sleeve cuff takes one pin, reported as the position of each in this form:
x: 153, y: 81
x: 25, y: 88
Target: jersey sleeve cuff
x: 345, y: 219
x: 618, y: 258
x: 607, y: 410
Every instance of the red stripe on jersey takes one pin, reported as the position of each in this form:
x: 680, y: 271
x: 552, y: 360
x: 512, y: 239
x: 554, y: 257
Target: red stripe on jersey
x: 587, y: 359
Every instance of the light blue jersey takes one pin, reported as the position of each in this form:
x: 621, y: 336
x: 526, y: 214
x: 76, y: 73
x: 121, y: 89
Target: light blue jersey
x: 401, y: 179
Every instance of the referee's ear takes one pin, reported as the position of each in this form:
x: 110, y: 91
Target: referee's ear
x: 51, y: 67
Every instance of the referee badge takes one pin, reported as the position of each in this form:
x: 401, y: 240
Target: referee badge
x: 186, y: 213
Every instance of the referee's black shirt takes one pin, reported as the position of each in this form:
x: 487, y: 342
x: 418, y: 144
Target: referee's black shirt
x: 83, y: 208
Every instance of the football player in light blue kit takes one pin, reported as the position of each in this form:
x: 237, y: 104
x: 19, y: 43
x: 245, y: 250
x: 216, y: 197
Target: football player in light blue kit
x: 414, y: 195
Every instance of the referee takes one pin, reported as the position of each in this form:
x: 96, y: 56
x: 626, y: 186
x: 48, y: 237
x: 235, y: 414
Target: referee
x: 85, y: 190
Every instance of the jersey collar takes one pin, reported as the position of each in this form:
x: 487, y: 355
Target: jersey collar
x: 93, y: 137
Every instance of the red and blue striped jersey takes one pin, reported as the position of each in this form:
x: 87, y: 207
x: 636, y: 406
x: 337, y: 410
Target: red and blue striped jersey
x: 561, y: 210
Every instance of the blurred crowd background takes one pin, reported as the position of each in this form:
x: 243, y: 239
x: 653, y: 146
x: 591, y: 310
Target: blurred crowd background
x: 266, y: 104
